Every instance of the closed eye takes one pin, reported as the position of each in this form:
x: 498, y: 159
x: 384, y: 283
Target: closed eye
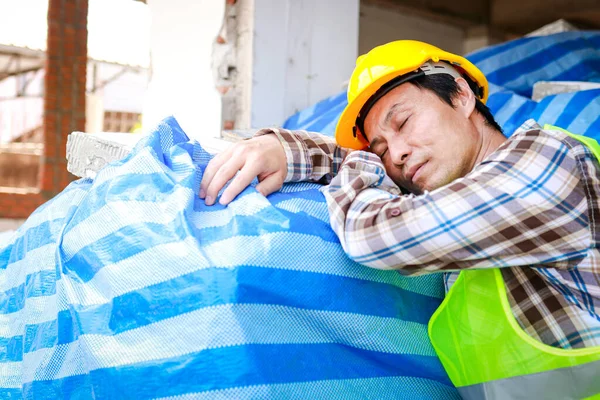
x: 403, y: 123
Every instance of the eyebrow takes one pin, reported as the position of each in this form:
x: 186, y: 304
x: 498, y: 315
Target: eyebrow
x: 393, y: 110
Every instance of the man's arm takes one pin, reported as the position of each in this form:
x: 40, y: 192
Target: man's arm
x: 521, y: 206
x: 310, y: 156
x: 274, y: 156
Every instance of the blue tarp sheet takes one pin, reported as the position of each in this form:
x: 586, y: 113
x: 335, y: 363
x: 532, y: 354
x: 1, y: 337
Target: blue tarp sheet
x: 128, y: 286
x: 512, y: 68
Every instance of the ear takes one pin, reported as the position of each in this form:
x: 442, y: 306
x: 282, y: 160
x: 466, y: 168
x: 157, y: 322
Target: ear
x: 464, y: 102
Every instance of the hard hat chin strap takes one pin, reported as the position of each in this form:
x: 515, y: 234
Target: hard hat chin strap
x: 429, y: 68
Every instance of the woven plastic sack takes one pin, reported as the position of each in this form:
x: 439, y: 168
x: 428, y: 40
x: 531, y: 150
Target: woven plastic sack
x: 128, y: 286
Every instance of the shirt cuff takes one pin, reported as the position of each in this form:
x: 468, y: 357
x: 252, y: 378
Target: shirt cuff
x: 371, y: 168
x: 299, y: 167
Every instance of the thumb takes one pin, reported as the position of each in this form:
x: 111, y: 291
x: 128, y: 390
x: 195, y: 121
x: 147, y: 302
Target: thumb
x: 270, y: 184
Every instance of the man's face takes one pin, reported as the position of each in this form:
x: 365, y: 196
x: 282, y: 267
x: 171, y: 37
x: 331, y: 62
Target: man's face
x: 423, y: 142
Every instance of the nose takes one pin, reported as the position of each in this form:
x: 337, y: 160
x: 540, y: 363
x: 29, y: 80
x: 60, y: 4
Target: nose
x: 399, y: 152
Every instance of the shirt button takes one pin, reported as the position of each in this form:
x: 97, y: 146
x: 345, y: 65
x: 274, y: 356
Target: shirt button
x: 395, y: 212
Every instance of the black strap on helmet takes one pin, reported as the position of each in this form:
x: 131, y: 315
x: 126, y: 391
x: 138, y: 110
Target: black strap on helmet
x: 382, y: 91
x: 429, y: 68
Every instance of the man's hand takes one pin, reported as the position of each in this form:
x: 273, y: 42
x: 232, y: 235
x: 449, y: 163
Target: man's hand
x: 262, y: 157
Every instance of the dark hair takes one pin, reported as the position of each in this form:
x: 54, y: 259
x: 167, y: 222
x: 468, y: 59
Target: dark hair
x: 446, y: 88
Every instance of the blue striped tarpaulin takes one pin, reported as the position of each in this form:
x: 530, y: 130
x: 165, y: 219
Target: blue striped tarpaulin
x: 512, y: 68
x: 128, y: 286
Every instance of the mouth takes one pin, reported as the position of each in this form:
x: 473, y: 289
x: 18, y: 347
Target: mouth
x: 415, y: 172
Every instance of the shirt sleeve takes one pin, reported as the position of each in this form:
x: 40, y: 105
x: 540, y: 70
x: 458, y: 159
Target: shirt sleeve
x: 522, y: 206
x: 310, y: 156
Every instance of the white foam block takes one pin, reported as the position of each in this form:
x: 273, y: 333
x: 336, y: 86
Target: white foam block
x: 88, y: 153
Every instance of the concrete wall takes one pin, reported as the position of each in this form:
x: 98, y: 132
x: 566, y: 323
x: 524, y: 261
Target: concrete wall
x: 478, y: 37
x: 381, y: 25
x: 290, y: 54
x: 181, y: 38
x: 126, y: 92
x: 303, y: 50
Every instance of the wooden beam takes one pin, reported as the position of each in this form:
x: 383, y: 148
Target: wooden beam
x: 433, y: 12
x: 4, y: 75
x: 523, y: 16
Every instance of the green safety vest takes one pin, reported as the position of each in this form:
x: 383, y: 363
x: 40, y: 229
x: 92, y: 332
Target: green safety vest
x: 488, y: 356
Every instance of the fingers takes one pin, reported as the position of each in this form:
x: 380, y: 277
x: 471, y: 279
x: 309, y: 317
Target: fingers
x: 270, y: 184
x: 210, y: 171
x: 241, y: 181
x: 225, y: 172
x: 263, y: 157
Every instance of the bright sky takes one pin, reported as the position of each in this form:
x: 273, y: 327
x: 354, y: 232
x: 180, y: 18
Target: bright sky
x: 118, y: 30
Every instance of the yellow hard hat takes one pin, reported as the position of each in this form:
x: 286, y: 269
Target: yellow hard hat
x: 404, y: 60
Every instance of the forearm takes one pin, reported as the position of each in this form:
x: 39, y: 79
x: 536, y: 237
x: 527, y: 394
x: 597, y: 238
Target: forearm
x: 484, y: 220
x: 360, y: 199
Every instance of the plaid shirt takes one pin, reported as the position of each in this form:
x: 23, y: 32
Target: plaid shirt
x: 532, y: 206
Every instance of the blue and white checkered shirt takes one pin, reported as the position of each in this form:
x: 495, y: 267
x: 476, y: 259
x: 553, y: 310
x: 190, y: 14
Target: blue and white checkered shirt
x: 530, y: 208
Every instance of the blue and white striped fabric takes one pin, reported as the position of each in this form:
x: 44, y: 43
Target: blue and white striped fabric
x: 128, y: 286
x: 512, y: 68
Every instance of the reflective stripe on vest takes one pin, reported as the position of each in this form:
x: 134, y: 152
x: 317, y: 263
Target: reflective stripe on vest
x: 487, y: 355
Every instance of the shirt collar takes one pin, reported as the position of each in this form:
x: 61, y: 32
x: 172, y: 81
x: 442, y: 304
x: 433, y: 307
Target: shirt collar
x: 527, y: 126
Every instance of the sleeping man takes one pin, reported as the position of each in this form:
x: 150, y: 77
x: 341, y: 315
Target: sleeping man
x: 421, y: 179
